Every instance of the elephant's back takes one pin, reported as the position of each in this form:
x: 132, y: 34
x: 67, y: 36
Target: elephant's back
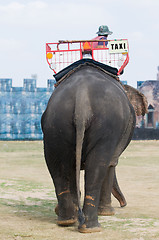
x: 97, y: 81
x: 105, y: 94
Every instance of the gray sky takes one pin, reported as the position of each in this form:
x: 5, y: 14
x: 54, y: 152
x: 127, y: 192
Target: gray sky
x: 26, y: 25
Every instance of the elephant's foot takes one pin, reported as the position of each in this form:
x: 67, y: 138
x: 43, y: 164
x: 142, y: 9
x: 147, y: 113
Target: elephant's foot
x: 67, y: 222
x: 106, y: 211
x: 85, y: 229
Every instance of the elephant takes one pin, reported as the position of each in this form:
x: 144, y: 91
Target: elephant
x: 88, y: 123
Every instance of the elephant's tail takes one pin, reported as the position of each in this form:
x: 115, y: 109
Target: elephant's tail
x: 117, y: 192
x: 79, y: 141
x: 83, y: 114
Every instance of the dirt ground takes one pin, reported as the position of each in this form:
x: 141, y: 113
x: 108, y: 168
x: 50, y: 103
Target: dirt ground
x: 27, y: 196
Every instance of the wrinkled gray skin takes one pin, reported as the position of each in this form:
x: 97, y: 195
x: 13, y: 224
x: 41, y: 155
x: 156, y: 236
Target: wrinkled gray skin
x: 87, y: 124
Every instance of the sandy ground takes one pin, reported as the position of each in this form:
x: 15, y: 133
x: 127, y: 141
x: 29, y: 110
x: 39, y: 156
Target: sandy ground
x: 27, y: 197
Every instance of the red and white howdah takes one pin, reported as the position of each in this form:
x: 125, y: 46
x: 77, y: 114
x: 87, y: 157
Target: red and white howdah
x: 114, y: 53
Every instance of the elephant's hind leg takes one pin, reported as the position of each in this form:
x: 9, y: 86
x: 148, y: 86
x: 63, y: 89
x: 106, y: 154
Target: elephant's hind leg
x: 95, y: 170
x: 62, y: 172
x: 105, y: 208
x: 67, y: 211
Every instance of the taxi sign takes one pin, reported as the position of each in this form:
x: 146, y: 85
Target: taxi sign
x: 119, y: 46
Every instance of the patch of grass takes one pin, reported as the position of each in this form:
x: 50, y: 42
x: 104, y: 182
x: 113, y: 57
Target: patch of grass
x: 138, y: 154
x: 21, y: 185
x: 145, y: 226
x: 20, y: 146
x: 31, y: 207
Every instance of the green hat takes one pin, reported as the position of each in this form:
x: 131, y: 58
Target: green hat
x: 104, y: 30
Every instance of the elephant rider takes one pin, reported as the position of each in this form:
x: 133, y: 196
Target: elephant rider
x: 103, y: 33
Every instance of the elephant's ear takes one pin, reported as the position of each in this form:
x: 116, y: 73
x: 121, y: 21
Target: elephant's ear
x: 137, y: 99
